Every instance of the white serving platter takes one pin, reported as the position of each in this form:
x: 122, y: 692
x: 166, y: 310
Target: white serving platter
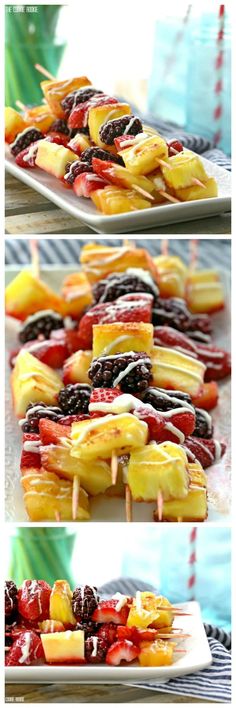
x: 84, y: 209
x: 197, y: 657
x: 102, y: 507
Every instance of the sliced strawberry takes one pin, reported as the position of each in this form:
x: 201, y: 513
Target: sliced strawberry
x: 208, y: 396
x: 86, y: 183
x: 154, y: 420
x: 106, y: 612
x: 217, y: 362
x: 78, y: 117
x: 184, y: 422
x: 99, y: 396
x: 29, y: 458
x: 49, y: 351
x: 123, y: 650
x: 127, y: 308
x: 74, y: 341
x: 106, y: 169
x: 51, y: 433
x: 135, y: 635
x: 25, y: 160
x: 174, y: 146
x: 205, y: 451
x: 59, y: 138
x: 124, y: 141
x: 169, y: 337
x: 33, y: 599
x: 27, y: 649
x: 108, y: 632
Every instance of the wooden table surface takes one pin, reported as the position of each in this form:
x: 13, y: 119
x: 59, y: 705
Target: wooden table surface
x: 28, y: 212
x: 93, y: 693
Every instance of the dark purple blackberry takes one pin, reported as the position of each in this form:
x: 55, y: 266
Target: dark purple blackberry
x: 84, y: 602
x: 173, y: 311
x: 108, y: 371
x: 74, y: 398
x: 73, y: 169
x: 35, y: 412
x: 78, y: 96
x: 75, y: 131
x: 204, y: 426
x: 10, y: 599
x: 59, y: 126
x: 117, y: 284
x: 24, y: 139
x: 88, y: 154
x: 41, y: 323
x: 163, y: 400
x: 95, y: 650
x: 89, y: 628
x: 114, y: 128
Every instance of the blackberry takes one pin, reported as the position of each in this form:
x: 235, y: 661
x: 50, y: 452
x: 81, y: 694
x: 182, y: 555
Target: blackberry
x: 78, y: 96
x: 24, y: 139
x: 108, y: 371
x: 88, y: 154
x: 89, y: 628
x: 84, y: 602
x: 114, y: 128
x: 41, y: 323
x: 117, y: 284
x: 95, y: 650
x: 75, y: 131
x: 73, y: 169
x: 59, y: 126
x: 174, y: 312
x: 163, y: 400
x: 10, y: 598
x: 74, y: 398
x: 35, y: 412
x: 203, y: 427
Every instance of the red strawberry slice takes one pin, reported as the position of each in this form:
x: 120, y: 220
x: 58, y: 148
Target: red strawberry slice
x: 108, y: 632
x: 51, y: 433
x: 170, y: 337
x: 29, y: 458
x: 86, y: 183
x: 74, y: 341
x: 208, y: 396
x: 135, y: 635
x: 59, y: 138
x: 78, y: 117
x: 127, y: 308
x: 106, y: 169
x: 217, y: 362
x: 26, y: 158
x: 100, y: 396
x: 205, y: 451
x: 154, y: 420
x: 174, y: 146
x: 123, y: 650
x: 33, y: 599
x: 184, y: 422
x: 27, y: 649
x: 124, y: 141
x: 106, y: 612
x: 49, y: 351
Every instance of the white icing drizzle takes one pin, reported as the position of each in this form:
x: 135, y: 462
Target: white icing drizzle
x: 174, y: 399
x: 122, y: 600
x: 25, y: 648
x: 129, y: 125
x: 145, y: 276
x: 129, y: 368
x: 8, y: 596
x: 207, y: 417
x: 122, y: 404
x: 114, y: 344
x: 175, y: 431
x: 31, y: 446
x: 218, y: 450
x: 39, y: 313
x: 95, y: 646
x: 32, y: 151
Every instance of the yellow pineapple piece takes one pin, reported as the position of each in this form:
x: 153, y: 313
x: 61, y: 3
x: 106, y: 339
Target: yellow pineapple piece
x: 79, y: 143
x: 121, y: 177
x: 55, y: 91
x: 40, y: 117
x: 145, y: 611
x: 158, y: 468
x: 172, y: 369
x: 64, y: 647
x: 182, y: 168
x: 99, y: 261
x: 109, y: 339
x: 14, y: 124
x: 204, y: 291
x: 157, y: 653
x: 32, y: 381
x: 60, y: 608
x: 26, y: 295
x: 53, y: 158
x: 114, y: 200
x: 144, y: 154
x: 75, y: 369
x: 98, y: 115
x: 195, y: 191
x: 192, y: 508
x: 101, y: 436
x: 49, y: 498
x: 94, y: 478
x: 172, y: 273
x: 77, y: 293
x: 196, y: 474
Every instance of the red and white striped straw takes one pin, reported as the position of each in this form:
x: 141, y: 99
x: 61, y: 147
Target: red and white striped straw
x: 192, y: 564
x: 171, y: 58
x: 218, y: 87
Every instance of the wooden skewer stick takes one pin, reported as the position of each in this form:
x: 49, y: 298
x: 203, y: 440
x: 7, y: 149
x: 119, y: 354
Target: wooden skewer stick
x: 44, y: 71
x: 169, y: 197
x: 194, y: 180
x: 114, y: 467
x: 128, y: 503
x: 57, y: 515
x: 143, y: 192
x: 198, y: 182
x: 164, y: 246
x: 179, y: 519
x: 21, y: 105
x: 34, y: 257
x: 180, y: 651
x: 160, y: 505
x: 75, y: 497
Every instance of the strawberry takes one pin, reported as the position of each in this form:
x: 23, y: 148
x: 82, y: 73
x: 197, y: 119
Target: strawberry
x: 75, y: 418
x: 33, y: 599
x: 135, y: 635
x: 59, y: 138
x: 29, y: 458
x: 74, y: 341
x: 51, y: 433
x: 78, y: 117
x: 100, y: 396
x: 123, y: 650
x: 208, y: 396
x: 170, y: 337
x: 217, y: 361
x: 106, y: 612
x: 26, y: 650
x: 26, y: 158
x: 106, y: 169
x: 86, y: 183
x: 174, y: 146
x: 127, y: 308
x: 154, y: 420
x: 108, y: 632
x: 124, y: 141
x: 184, y: 422
x: 49, y: 351
x: 206, y: 451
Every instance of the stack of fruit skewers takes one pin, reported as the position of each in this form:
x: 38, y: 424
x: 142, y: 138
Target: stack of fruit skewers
x: 93, y: 144
x: 132, y: 418
x: 58, y: 626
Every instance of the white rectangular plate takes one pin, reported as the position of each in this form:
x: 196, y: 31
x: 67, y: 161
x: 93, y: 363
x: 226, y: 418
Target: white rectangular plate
x: 102, y: 507
x: 84, y: 209
x: 197, y: 657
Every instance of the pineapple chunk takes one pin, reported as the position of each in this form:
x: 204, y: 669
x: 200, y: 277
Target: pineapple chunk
x: 53, y: 158
x: 204, y: 291
x: 192, y: 508
x: 158, y: 468
x: 32, y: 381
x: 99, y: 438
x: 121, y: 177
x: 77, y: 293
x: 64, y: 647
x: 187, y: 194
x: 158, y: 653
x: 185, y: 166
x: 79, y: 143
x: 145, y: 612
x: 94, y: 478
x: 40, y: 117
x: 122, y: 337
x: 26, y: 295
x: 47, y: 496
x: 144, y: 154
x: 14, y: 124
x: 172, y: 273
x: 99, y: 261
x: 197, y: 475
x: 114, y: 200
x: 172, y: 369
x: 75, y: 369
x: 60, y: 608
x: 100, y: 115
x: 55, y: 91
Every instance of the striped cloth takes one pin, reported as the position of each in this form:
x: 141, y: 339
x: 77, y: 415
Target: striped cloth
x: 212, y: 684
